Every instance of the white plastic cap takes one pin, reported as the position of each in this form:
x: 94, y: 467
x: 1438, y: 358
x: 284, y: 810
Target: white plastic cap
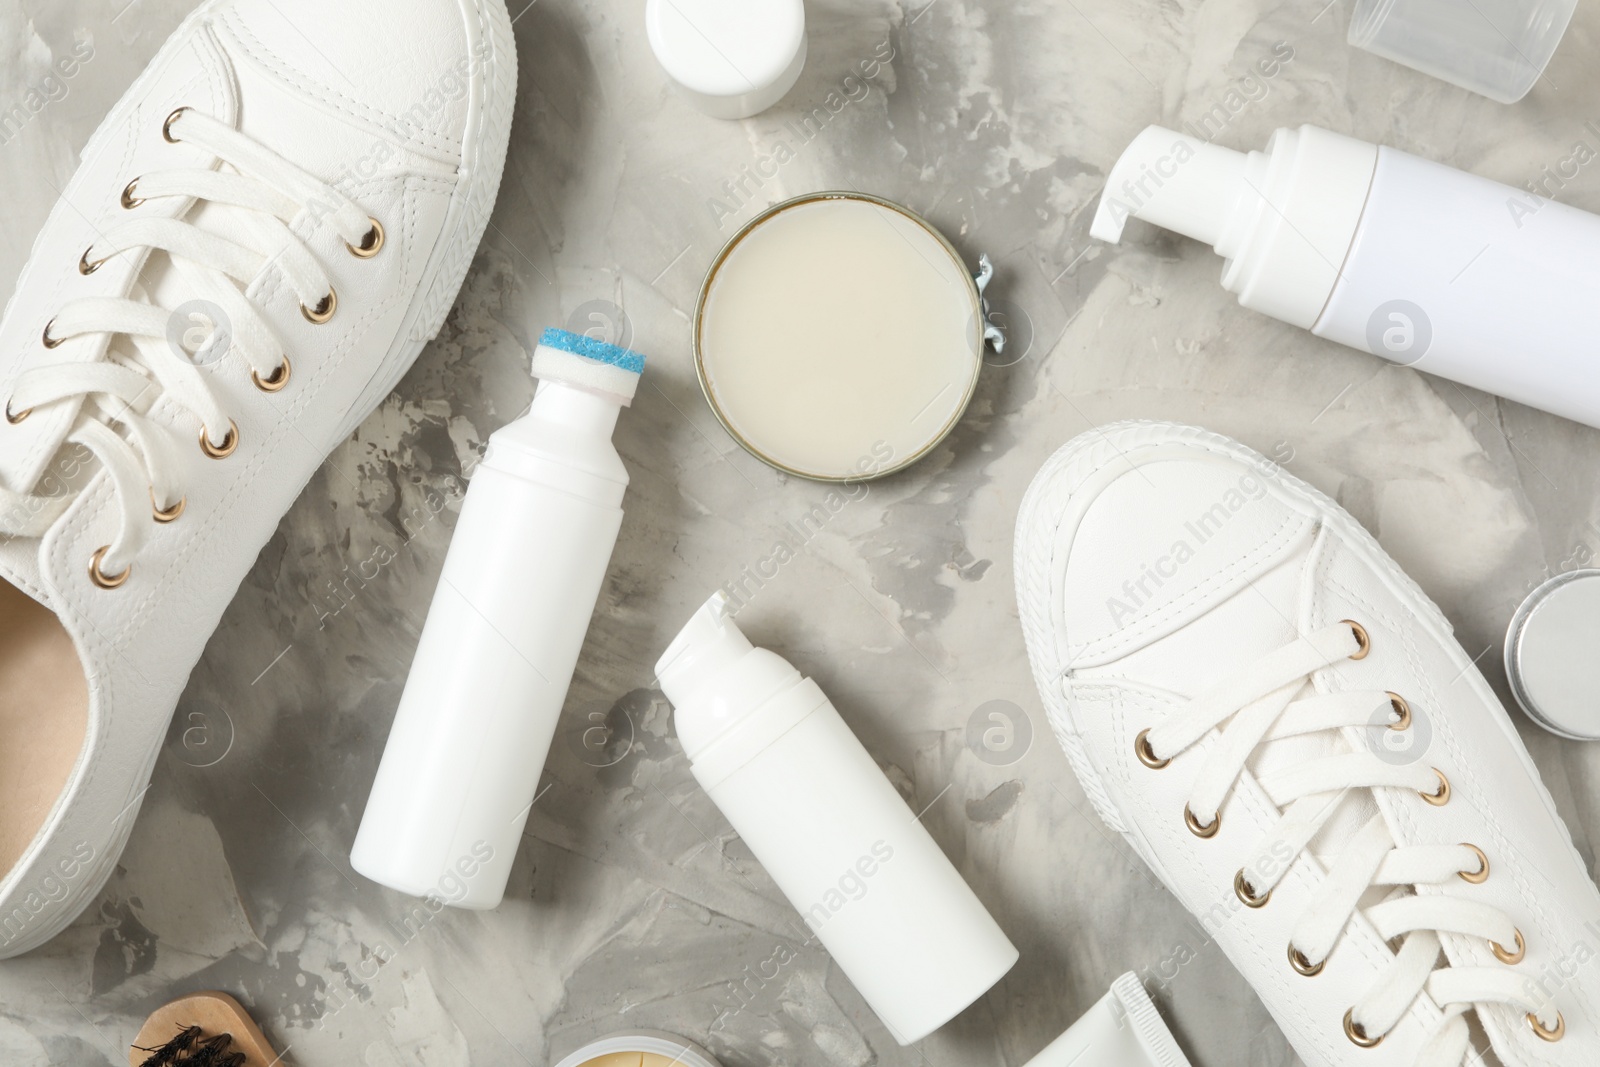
x: 713, y: 672
x: 1173, y: 181
x: 651, y: 1042
x: 604, y: 369
x: 1122, y: 1030
x: 1550, y: 660
x: 709, y: 642
x: 731, y: 58
x: 1284, y: 219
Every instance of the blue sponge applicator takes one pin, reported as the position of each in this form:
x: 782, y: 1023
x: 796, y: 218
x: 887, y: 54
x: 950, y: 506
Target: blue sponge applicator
x: 572, y: 358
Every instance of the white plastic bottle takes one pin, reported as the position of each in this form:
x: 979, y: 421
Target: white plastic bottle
x: 503, y: 634
x: 867, y: 878
x: 1419, y: 263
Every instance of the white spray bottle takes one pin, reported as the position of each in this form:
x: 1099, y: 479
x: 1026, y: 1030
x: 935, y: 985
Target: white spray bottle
x: 815, y: 810
x: 503, y: 634
x: 1416, y: 262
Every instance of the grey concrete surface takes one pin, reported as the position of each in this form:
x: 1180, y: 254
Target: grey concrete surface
x: 631, y: 904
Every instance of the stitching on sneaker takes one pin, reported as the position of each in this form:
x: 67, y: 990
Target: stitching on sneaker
x: 256, y: 50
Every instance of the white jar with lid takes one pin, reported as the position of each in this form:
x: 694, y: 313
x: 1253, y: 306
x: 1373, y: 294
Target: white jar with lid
x: 731, y: 58
x: 640, y: 1048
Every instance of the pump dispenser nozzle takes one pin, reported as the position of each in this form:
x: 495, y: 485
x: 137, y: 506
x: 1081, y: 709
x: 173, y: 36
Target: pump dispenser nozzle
x: 1283, y: 219
x: 710, y: 642
x: 1174, y: 181
x: 715, y: 677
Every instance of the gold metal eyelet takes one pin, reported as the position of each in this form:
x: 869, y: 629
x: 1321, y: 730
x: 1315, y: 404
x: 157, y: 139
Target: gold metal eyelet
x: 129, y: 201
x: 1208, y: 830
x: 84, y: 266
x: 1481, y: 875
x: 1556, y: 1034
x: 371, y: 244
x: 15, y: 417
x: 1247, y: 892
x: 166, y: 515
x: 1303, y: 966
x: 100, y: 577
x: 1402, y: 712
x: 1440, y: 797
x: 47, y: 340
x: 324, y: 309
x: 1510, y: 957
x: 1146, y: 754
x: 166, y: 127
x: 1357, y: 1033
x: 1362, y: 638
x: 230, y: 442
x: 275, y: 381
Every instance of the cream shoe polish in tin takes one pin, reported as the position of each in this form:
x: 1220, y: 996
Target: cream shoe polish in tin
x: 640, y: 1048
x: 839, y: 336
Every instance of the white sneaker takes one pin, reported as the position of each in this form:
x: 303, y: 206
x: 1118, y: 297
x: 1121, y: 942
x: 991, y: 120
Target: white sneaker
x: 261, y: 237
x: 1281, y: 724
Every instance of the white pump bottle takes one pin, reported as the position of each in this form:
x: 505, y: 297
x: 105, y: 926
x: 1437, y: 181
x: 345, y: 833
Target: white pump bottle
x: 1416, y: 262
x: 809, y: 801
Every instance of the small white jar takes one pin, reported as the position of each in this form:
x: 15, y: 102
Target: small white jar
x: 731, y: 58
x: 640, y: 1048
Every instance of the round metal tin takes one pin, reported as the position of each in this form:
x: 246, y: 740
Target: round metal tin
x: 679, y: 1051
x: 976, y: 319
x: 1551, y: 663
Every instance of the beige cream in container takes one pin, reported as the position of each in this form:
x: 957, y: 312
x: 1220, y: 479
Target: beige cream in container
x: 642, y: 1048
x: 839, y: 337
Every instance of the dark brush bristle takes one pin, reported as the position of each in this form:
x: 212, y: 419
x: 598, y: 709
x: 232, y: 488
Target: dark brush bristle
x: 169, y: 1053
x: 188, y: 1050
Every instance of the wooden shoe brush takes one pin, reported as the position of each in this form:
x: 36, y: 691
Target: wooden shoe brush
x: 202, y: 1030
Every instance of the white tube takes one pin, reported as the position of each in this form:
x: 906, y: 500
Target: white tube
x: 500, y: 644
x: 813, y: 807
x: 1123, y: 1029
x: 1412, y: 261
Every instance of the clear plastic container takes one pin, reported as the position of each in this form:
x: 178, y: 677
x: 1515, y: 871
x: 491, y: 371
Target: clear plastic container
x: 1498, y: 48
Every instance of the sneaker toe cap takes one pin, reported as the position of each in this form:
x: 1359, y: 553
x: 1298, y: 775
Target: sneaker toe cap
x: 407, y: 64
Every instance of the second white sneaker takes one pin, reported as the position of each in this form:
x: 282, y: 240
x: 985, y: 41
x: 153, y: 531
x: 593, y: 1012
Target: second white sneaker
x: 1283, y: 727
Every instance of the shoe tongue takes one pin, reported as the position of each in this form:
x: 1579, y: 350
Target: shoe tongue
x: 1218, y: 644
x: 1258, y: 619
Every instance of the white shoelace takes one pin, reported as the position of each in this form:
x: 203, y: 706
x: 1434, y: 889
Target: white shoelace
x: 142, y: 462
x: 1271, y: 701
